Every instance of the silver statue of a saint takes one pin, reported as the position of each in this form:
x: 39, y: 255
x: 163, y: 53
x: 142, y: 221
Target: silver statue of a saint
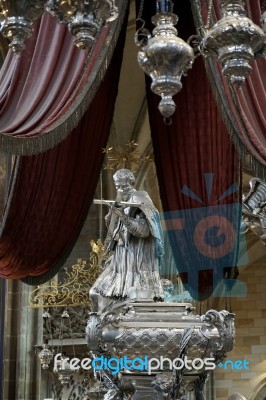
x: 136, y: 242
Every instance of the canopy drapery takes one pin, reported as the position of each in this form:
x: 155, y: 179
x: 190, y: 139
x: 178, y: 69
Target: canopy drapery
x: 46, y: 89
x: 50, y: 193
x: 242, y: 109
x: 198, y: 174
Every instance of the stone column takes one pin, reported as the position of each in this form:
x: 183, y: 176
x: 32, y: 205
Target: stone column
x: 21, y: 326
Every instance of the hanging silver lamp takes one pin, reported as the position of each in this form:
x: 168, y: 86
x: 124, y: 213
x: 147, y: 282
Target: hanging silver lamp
x: 164, y: 56
x: 45, y: 355
x: 16, y: 20
x: 84, y: 18
x: 63, y: 370
x: 235, y: 39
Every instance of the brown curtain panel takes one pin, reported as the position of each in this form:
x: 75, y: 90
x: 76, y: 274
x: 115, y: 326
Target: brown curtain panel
x: 51, y: 193
x: 46, y: 89
x: 242, y: 109
x: 198, y: 174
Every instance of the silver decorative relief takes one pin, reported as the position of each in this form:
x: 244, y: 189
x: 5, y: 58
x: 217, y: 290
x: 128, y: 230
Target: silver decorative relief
x: 254, y: 209
x: 168, y: 330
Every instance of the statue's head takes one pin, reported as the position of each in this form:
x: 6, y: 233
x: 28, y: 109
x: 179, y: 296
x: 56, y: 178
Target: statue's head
x: 124, y: 176
x: 124, y: 180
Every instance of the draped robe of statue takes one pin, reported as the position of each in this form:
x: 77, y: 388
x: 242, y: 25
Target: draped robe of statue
x: 137, y: 253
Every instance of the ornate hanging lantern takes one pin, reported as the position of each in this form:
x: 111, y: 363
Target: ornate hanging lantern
x: 84, y: 18
x: 235, y: 39
x: 16, y: 20
x: 164, y: 56
x: 97, y: 391
x: 63, y: 370
x: 45, y: 356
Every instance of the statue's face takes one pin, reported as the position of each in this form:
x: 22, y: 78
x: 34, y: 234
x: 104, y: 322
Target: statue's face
x: 124, y: 185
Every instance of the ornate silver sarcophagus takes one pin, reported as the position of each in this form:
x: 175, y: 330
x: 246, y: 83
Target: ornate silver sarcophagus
x: 164, y: 349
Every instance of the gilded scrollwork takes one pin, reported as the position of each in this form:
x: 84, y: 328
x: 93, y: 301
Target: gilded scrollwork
x: 73, y: 289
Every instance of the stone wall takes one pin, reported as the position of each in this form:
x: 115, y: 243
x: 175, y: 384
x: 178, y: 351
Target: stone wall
x: 250, y: 323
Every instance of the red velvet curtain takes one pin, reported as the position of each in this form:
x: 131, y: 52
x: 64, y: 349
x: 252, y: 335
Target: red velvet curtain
x: 242, y: 109
x: 51, y: 193
x: 46, y: 89
x: 198, y: 174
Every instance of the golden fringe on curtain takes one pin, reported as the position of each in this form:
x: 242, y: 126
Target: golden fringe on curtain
x: 69, y: 120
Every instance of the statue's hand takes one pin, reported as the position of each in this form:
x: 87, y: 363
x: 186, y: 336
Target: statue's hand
x: 119, y: 211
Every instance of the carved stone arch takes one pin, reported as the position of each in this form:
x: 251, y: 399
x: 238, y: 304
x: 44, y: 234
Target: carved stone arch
x: 259, y: 393
x: 236, y: 396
